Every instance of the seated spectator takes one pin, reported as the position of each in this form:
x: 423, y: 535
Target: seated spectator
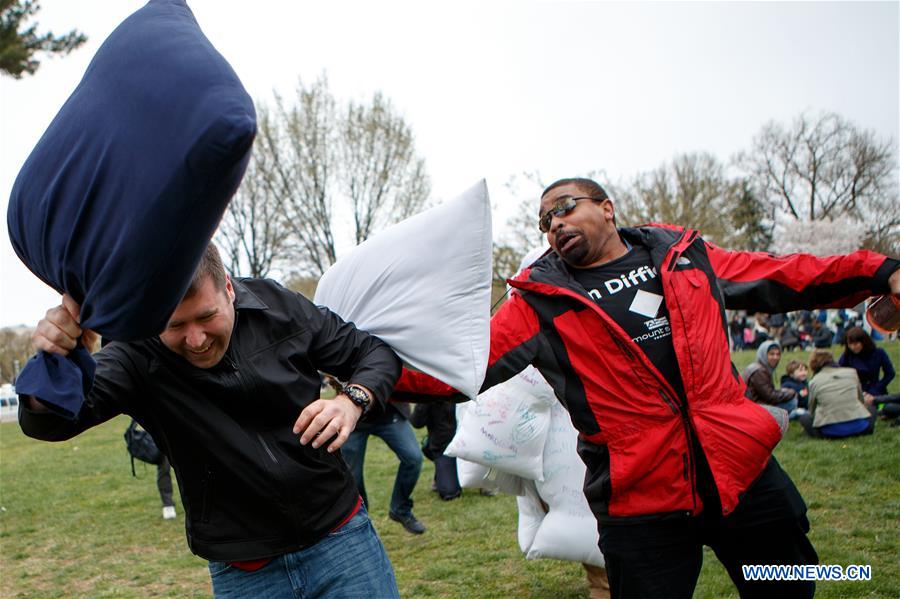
x: 805, y: 339
x: 872, y: 364
x: 790, y: 338
x: 776, y: 325
x: 760, y: 382
x: 796, y: 379
x: 886, y: 406
x: 806, y: 318
x: 748, y: 338
x: 821, y: 335
x: 836, y: 406
x: 760, y: 329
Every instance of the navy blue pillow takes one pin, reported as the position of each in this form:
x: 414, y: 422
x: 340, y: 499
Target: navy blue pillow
x: 119, y: 198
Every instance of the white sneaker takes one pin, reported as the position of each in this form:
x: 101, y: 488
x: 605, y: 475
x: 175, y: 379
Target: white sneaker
x: 168, y: 512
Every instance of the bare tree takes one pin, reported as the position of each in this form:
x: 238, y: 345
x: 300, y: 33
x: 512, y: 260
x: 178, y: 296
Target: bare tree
x: 253, y: 233
x: 822, y: 168
x: 310, y: 158
x: 522, y: 233
x: 692, y: 191
x: 380, y: 172
x: 301, y: 160
x: 881, y: 217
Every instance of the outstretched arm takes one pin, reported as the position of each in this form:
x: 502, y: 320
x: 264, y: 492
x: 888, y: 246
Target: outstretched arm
x: 514, y: 345
x: 761, y: 281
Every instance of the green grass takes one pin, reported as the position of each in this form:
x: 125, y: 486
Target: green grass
x: 74, y: 523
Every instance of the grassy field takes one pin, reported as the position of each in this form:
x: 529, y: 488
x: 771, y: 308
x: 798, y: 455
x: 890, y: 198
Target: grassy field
x: 74, y: 523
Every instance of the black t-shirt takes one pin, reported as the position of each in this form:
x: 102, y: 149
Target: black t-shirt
x: 629, y: 290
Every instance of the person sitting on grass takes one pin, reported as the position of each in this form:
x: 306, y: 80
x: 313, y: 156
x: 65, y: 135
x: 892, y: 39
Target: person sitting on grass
x: 760, y: 382
x: 872, y: 364
x: 790, y: 337
x: 795, y: 378
x: 821, y: 335
x: 886, y: 406
x: 836, y: 404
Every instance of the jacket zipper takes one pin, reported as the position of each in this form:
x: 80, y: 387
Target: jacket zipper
x: 266, y: 447
x: 281, y: 483
x: 687, y: 457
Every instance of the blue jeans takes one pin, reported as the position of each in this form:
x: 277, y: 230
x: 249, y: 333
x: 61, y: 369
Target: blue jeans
x: 349, y: 562
x: 400, y: 437
x: 788, y: 406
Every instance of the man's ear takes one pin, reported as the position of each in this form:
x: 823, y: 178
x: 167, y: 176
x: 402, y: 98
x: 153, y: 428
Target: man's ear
x: 609, y: 211
x: 229, y: 288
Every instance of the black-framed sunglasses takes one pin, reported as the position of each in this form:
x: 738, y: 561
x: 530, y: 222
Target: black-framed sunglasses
x: 561, y: 207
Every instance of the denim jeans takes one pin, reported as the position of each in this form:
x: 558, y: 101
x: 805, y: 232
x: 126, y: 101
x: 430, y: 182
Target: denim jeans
x: 348, y: 563
x: 788, y: 406
x: 400, y: 437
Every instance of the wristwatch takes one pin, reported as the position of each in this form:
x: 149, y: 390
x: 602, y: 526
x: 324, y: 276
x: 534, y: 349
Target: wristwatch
x: 357, y: 396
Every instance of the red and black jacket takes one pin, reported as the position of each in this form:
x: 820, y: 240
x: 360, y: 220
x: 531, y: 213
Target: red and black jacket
x: 637, y: 433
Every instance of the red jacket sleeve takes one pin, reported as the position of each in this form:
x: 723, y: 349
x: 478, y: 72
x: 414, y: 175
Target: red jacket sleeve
x: 761, y: 281
x: 514, y: 330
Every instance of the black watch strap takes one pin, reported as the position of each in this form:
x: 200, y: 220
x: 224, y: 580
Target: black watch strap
x: 357, y: 396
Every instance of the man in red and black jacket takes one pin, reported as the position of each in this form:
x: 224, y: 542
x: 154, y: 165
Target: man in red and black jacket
x: 628, y: 326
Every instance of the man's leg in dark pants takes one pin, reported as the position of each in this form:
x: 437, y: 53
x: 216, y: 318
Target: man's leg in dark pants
x: 164, y: 482
x: 445, y: 477
x: 775, y: 543
x: 659, y: 559
x: 768, y: 527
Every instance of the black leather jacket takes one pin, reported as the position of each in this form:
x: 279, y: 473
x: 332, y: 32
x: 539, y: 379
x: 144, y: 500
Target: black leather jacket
x: 249, y: 489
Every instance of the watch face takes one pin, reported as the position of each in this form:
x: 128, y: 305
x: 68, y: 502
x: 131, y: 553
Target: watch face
x: 358, y: 396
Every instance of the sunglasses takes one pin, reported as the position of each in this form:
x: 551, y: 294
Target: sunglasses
x: 561, y: 207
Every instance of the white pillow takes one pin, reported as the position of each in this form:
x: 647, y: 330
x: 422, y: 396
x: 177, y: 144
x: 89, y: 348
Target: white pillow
x: 566, y: 536
x: 531, y: 514
x: 473, y: 476
x: 424, y: 287
x: 506, y: 426
x: 562, y: 485
x: 569, y: 530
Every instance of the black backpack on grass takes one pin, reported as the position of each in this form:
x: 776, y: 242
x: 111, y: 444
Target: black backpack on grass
x: 141, y: 445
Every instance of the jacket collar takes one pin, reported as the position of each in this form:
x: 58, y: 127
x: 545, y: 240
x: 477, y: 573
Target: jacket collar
x: 244, y: 299
x: 551, y: 269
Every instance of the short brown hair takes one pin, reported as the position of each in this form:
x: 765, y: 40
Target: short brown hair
x: 792, y: 366
x: 819, y: 359
x: 210, y: 266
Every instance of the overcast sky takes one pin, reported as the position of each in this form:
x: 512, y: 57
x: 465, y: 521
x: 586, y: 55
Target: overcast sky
x: 492, y: 89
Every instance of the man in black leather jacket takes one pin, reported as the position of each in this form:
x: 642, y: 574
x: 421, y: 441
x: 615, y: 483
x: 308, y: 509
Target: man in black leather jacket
x: 225, y: 390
